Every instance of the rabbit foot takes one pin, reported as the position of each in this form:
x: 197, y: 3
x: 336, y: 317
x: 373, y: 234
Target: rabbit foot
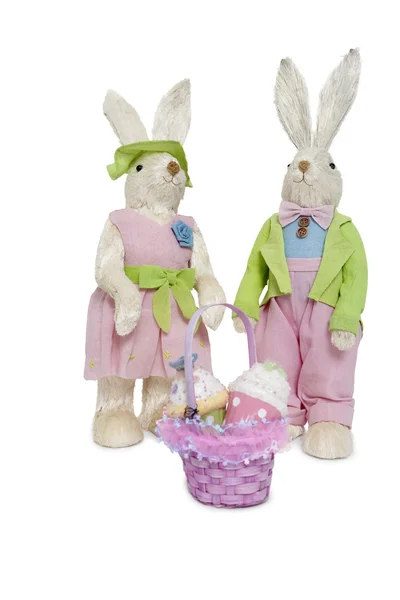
x: 328, y: 440
x: 116, y: 428
x: 295, y: 431
x: 150, y: 425
x: 155, y: 396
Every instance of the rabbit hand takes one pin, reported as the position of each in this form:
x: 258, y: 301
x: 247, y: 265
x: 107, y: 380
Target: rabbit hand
x: 343, y: 340
x: 128, y: 308
x: 210, y: 292
x: 239, y: 325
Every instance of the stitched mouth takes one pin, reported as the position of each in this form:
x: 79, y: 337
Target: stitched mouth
x: 301, y: 181
x: 170, y: 181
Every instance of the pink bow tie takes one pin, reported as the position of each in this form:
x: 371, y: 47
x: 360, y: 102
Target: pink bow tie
x: 289, y: 212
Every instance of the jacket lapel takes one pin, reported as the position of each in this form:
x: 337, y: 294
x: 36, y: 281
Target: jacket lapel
x: 337, y: 251
x: 273, y: 253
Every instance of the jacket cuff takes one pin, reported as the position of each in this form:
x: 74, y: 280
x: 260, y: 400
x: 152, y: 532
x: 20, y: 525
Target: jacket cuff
x: 344, y: 324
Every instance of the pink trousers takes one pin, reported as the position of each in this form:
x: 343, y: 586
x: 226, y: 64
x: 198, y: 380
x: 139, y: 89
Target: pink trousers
x: 293, y: 331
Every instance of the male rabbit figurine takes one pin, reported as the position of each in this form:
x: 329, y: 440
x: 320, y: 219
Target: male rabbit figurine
x: 148, y: 260
x: 313, y: 261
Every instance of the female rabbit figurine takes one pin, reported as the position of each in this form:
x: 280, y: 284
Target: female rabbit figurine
x: 313, y: 261
x: 149, y: 258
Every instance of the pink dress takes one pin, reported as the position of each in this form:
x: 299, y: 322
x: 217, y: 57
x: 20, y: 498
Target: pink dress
x: 146, y: 351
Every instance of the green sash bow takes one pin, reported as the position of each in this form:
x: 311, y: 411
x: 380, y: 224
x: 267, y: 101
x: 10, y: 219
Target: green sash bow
x: 180, y: 282
x: 126, y: 155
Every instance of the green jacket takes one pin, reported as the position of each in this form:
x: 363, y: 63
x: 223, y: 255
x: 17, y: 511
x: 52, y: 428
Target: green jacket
x: 340, y: 282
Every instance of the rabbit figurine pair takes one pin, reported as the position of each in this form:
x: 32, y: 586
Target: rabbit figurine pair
x: 308, y: 255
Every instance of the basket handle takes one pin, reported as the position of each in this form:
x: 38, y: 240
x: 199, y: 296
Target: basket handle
x: 191, y: 399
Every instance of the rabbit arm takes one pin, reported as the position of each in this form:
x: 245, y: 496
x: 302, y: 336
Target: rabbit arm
x: 353, y: 291
x: 110, y: 277
x: 109, y: 270
x: 255, y: 278
x: 206, y: 285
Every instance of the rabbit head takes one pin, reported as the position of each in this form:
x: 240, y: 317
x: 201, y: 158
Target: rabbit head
x: 312, y: 178
x: 155, y: 181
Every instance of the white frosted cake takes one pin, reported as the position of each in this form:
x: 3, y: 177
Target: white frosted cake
x: 260, y: 393
x: 211, y: 396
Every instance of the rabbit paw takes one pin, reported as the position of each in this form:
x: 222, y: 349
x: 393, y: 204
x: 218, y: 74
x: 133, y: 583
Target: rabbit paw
x: 343, y: 340
x: 213, y: 316
x: 210, y: 292
x: 128, y: 308
x: 239, y: 325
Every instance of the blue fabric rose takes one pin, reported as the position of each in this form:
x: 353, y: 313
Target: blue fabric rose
x: 183, y: 233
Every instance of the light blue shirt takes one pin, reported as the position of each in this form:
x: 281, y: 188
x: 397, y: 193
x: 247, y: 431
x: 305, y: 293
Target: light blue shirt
x: 312, y: 246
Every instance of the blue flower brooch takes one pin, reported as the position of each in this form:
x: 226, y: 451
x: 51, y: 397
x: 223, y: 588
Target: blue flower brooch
x: 183, y: 234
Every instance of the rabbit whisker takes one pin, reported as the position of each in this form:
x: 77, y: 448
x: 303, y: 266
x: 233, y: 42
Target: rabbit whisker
x: 305, y: 181
x: 170, y: 181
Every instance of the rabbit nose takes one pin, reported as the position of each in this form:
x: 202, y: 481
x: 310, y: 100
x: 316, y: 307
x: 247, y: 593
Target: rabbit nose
x: 173, y: 167
x: 304, y: 165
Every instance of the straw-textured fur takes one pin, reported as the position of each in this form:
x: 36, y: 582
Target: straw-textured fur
x: 318, y: 186
x: 206, y: 285
x: 155, y: 397
x: 115, y: 424
x: 124, y: 119
x: 239, y: 325
x: 295, y: 431
x: 343, y: 340
x: 155, y: 193
x: 291, y: 99
x: 328, y: 440
x: 166, y: 125
x: 110, y: 276
x: 336, y: 99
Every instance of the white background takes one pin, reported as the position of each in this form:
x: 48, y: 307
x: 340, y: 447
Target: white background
x: 79, y: 521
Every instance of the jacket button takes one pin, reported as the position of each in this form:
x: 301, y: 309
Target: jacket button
x: 302, y: 232
x: 304, y: 222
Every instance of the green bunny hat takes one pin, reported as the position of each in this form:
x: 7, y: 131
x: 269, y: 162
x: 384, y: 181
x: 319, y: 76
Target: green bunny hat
x: 126, y: 155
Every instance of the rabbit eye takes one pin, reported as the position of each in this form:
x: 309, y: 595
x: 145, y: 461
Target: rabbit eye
x: 139, y: 168
x: 332, y: 165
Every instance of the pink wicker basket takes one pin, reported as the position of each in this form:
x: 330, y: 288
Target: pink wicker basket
x: 229, y: 485
x: 228, y: 466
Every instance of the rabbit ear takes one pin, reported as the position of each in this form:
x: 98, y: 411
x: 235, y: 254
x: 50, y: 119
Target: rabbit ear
x: 291, y: 99
x: 172, y: 119
x: 336, y: 98
x: 123, y: 119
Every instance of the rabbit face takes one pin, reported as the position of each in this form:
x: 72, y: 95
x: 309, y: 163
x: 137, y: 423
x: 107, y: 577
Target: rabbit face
x: 312, y: 179
x: 155, y: 181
